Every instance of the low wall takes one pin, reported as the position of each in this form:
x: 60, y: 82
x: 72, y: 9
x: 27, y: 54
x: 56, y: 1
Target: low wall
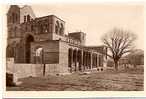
x: 25, y: 70
x: 56, y: 69
x: 35, y: 70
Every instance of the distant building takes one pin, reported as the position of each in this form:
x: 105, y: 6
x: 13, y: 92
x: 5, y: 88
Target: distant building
x: 28, y: 33
x: 136, y: 57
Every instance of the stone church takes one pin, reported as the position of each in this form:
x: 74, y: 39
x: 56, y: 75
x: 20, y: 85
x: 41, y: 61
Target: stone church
x: 41, y: 40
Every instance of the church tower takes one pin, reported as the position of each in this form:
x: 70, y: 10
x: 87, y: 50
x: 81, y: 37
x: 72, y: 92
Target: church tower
x: 13, y: 30
x: 16, y: 16
x: 13, y: 22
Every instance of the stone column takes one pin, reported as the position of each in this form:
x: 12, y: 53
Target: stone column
x: 91, y: 60
x: 71, y: 59
x: 96, y: 60
x: 75, y: 60
x: 87, y: 60
x: 84, y: 59
x: 80, y: 60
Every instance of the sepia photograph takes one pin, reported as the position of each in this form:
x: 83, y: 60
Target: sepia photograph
x: 74, y: 47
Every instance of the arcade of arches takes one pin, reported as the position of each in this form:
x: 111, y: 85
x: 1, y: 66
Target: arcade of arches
x: 79, y: 60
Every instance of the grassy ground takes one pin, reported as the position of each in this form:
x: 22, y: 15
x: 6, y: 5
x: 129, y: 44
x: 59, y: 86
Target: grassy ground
x: 109, y: 80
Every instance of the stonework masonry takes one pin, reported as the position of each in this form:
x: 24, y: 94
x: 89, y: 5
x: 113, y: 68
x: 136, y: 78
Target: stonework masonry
x: 60, y: 53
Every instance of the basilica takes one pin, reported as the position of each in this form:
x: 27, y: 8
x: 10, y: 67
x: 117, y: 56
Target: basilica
x: 33, y: 42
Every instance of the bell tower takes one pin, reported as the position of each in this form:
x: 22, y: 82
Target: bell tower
x: 13, y: 21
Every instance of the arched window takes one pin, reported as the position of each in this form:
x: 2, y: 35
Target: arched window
x: 28, y: 18
x: 57, y: 27
x: 38, y: 51
x: 46, y: 28
x: 38, y: 55
x: 61, y: 29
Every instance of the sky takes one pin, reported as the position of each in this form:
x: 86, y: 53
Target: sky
x: 97, y: 19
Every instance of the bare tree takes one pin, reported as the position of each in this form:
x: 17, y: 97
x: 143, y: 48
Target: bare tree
x: 119, y: 42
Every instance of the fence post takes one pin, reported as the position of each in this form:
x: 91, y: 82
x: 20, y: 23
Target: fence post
x: 43, y: 62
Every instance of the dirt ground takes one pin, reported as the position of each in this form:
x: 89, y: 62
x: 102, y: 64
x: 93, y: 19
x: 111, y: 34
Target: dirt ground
x: 109, y: 80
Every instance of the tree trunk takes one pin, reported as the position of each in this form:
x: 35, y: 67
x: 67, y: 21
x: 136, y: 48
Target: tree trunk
x: 116, y: 65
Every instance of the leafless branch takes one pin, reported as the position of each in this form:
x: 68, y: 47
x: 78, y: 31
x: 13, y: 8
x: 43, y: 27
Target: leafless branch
x: 119, y: 42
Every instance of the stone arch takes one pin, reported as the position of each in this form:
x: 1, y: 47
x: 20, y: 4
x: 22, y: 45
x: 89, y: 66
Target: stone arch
x: 74, y: 55
x: 29, y: 38
x: 57, y: 27
x: 28, y: 18
x: 95, y: 60
x: 78, y: 55
x: 41, y: 28
x: 88, y: 60
x: 80, y: 59
x: 75, y: 59
x: 99, y: 60
x: 84, y: 59
x: 61, y: 31
x: 45, y: 28
x: 38, y: 54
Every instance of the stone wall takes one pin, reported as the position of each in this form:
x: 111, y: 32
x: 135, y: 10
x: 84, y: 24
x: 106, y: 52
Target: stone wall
x: 63, y: 56
x: 34, y: 70
x: 51, y: 51
x: 58, y: 37
x: 54, y: 69
x: 24, y: 70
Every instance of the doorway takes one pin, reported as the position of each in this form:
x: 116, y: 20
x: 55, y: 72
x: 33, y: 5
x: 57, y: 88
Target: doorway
x: 29, y: 39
